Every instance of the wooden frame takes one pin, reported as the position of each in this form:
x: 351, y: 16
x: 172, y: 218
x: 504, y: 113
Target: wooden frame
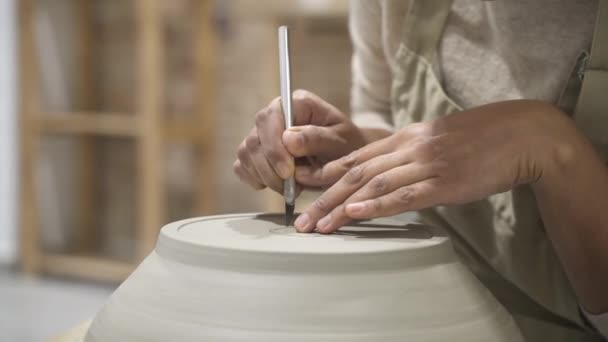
x: 205, y: 47
x: 148, y: 107
x: 29, y: 107
x: 147, y: 127
x: 85, y: 192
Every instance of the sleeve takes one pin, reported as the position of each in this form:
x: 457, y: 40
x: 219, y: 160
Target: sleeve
x: 371, y: 74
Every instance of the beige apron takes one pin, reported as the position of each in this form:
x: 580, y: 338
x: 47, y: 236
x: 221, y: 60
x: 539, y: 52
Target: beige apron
x: 502, y: 238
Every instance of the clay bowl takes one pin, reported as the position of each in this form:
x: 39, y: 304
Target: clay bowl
x: 248, y: 278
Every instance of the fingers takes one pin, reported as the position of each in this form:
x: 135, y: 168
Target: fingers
x: 310, y: 109
x: 270, y: 125
x: 333, y: 171
x: 304, y: 176
x: 354, y: 179
x: 264, y: 160
x: 320, y: 130
x: 244, y: 168
x: 310, y: 140
x: 392, y: 180
x: 262, y: 157
x: 252, y: 166
x: 378, y: 186
x: 334, y: 220
x: 263, y: 169
x: 416, y: 196
x: 246, y: 176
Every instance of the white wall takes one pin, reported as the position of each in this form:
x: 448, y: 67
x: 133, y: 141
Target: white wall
x: 8, y: 130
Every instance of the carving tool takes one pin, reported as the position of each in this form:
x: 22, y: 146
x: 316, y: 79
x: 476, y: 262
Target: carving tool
x: 289, y: 185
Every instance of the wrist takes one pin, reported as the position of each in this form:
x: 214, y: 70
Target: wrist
x: 567, y: 158
x: 556, y: 166
x: 555, y: 144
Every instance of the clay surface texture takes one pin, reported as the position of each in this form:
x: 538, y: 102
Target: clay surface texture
x: 249, y: 278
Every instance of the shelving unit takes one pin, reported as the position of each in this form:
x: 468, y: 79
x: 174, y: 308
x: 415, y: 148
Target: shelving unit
x: 148, y: 127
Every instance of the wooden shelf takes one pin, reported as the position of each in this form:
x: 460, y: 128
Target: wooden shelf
x: 114, y: 124
x: 183, y: 131
x: 88, y: 123
x: 147, y: 125
x: 86, y: 267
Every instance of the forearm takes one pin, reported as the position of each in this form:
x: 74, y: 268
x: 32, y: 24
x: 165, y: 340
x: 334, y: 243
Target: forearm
x: 572, y: 195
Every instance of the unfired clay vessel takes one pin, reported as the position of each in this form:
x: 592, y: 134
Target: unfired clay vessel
x: 249, y: 278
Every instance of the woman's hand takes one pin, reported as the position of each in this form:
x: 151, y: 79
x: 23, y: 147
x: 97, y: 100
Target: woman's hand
x: 321, y: 134
x: 453, y: 160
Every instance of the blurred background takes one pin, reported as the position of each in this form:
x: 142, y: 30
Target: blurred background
x: 118, y: 116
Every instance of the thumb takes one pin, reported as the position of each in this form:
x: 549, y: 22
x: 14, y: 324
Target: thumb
x: 313, y: 141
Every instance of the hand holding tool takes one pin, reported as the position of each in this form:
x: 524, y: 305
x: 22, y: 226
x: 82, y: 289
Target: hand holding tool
x: 289, y: 185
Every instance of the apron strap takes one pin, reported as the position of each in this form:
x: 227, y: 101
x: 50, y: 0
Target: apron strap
x: 591, y: 113
x: 423, y: 27
x: 599, y: 51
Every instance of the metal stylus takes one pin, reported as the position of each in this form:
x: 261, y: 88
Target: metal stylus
x: 289, y: 185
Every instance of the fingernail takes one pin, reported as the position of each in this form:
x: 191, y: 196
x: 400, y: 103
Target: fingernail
x: 355, y: 207
x: 294, y: 137
x: 283, y: 170
x: 302, y: 222
x: 300, y: 139
x: 324, y: 222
